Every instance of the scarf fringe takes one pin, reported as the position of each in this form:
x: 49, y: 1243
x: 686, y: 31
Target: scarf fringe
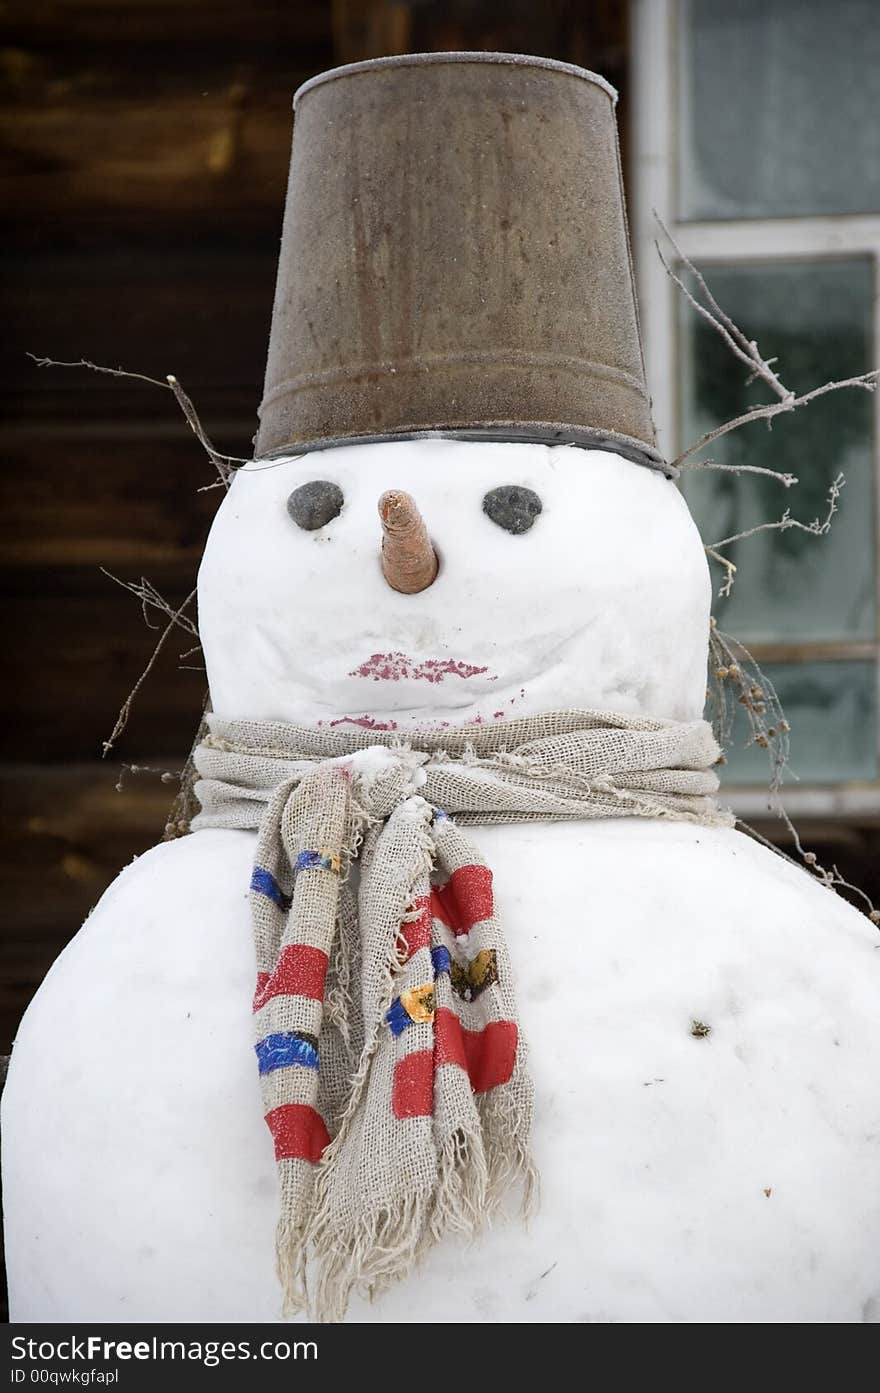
x: 476, y: 1167
x: 463, y: 1185
x: 506, y: 1122
x: 290, y: 1266
x: 387, y: 1244
x: 368, y: 1256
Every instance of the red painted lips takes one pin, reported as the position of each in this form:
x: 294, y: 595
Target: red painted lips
x: 395, y: 667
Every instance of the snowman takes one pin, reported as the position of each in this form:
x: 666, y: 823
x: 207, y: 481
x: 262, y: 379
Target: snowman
x: 700, y: 1017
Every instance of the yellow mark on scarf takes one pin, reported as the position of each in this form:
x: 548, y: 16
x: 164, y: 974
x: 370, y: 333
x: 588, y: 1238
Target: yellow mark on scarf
x: 418, y: 1003
x: 481, y: 972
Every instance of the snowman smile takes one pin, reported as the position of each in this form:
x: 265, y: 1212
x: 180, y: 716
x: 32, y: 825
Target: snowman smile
x: 397, y: 667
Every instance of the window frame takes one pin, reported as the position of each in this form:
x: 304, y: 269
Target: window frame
x: 654, y: 188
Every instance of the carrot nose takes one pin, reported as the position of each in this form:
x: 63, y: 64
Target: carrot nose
x: 409, y: 561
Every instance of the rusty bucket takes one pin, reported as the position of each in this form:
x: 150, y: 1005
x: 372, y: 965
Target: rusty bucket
x: 455, y: 259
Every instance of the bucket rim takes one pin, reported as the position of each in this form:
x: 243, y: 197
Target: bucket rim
x: 496, y: 432
x: 405, y: 60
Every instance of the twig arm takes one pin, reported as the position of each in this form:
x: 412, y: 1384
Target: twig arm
x: 224, y: 464
x: 866, y: 380
x: 125, y: 710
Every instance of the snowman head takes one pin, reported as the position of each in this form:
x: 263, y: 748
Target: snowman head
x: 564, y: 577
x: 490, y: 296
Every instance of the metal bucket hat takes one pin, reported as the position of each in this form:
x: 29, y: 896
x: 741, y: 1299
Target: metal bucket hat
x: 455, y: 259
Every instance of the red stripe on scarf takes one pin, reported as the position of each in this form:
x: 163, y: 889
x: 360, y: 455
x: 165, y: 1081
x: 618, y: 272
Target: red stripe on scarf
x: 413, y: 1092
x: 465, y: 899
x: 417, y: 934
x: 298, y: 1131
x: 488, y: 1055
x: 300, y: 972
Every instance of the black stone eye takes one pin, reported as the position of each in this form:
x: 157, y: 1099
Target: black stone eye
x: 315, y: 504
x: 513, y: 507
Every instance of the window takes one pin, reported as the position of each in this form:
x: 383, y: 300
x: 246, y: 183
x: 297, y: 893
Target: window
x: 756, y: 140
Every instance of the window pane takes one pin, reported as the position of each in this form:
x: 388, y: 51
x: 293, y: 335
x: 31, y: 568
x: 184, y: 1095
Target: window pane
x: 832, y: 711
x: 815, y: 318
x: 779, y: 107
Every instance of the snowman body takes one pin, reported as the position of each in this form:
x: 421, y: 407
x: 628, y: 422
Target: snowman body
x: 686, y: 1176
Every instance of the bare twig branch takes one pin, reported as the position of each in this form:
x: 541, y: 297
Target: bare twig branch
x: 729, y: 567
x: 785, y: 479
x: 744, y: 349
x: 224, y: 464
x: 829, y: 876
x: 166, y: 776
x: 866, y: 380
x: 96, y: 367
x: 747, y: 351
x: 733, y: 669
x: 149, y: 596
x: 738, y: 682
x: 817, y: 528
x: 176, y: 620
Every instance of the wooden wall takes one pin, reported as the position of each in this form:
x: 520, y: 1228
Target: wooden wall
x: 146, y: 147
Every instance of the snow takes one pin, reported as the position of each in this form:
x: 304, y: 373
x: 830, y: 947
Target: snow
x: 603, y: 603
x: 157, y: 1198
x: 686, y: 1178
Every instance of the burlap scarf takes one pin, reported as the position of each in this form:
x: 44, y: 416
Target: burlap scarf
x: 388, y: 1046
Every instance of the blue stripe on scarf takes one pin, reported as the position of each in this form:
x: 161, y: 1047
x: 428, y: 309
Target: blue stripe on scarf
x: 277, y: 1051
x: 314, y: 860
x: 397, y: 1017
x: 440, y: 959
x: 265, y: 884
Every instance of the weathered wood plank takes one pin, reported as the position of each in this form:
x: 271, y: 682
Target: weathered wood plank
x: 66, y: 834
x: 108, y: 148
x: 126, y: 503
x: 70, y: 666
x: 201, y: 315
x: 150, y: 105
x: 279, y: 27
